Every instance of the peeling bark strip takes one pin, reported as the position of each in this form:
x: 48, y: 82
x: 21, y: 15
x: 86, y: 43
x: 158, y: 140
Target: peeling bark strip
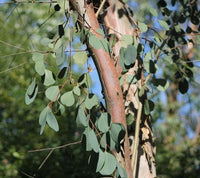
x: 108, y: 76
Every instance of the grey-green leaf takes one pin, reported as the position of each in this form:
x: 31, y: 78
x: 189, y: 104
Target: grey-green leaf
x: 90, y: 101
x: 48, y: 78
x: 51, y: 120
x: 103, y: 123
x: 31, y: 92
x: 80, y: 58
x: 52, y: 93
x: 95, y: 42
x: 143, y: 27
x: 40, y: 67
x: 117, y: 132
x: 109, y: 164
x: 68, y: 99
x: 81, y: 118
x: 93, y: 141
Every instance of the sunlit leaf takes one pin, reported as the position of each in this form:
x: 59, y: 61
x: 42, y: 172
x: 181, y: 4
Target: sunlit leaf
x: 143, y: 27
x: 52, y: 93
x: 48, y: 78
x: 80, y: 58
x: 67, y: 99
x: 90, y: 101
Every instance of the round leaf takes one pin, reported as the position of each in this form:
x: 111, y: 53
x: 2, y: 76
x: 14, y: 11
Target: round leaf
x: 183, y: 86
x: 117, y: 132
x: 90, y: 101
x: 109, y: 164
x: 103, y: 123
x: 95, y: 42
x: 68, y: 98
x: 52, y: 93
x: 80, y: 58
x: 81, y: 117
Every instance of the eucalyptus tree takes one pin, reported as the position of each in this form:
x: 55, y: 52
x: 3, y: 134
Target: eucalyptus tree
x: 129, y: 55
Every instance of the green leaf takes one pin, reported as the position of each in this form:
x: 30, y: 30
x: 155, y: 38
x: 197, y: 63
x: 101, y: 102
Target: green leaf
x: 85, y: 80
x: 109, y: 164
x: 127, y: 56
x: 103, y: 122
x: 131, y: 78
x: 107, y: 142
x: 80, y: 58
x: 60, y: 55
x: 93, y: 141
x: 143, y: 27
x: 146, y: 107
x: 43, y: 116
x: 121, y: 171
x: 164, y: 24
x: 90, y: 101
x: 95, y: 42
x: 52, y: 93
x: 161, y: 84
x: 45, y: 41
x: 117, y: 132
x: 153, y: 12
x: 141, y: 92
x: 126, y: 40
x: 67, y: 99
x: 101, y: 160
x: 100, y: 31
x: 46, y: 116
x: 37, y: 57
x: 40, y: 67
x: 129, y: 119
x: 51, y: 120
x: 81, y: 118
x: 31, y: 92
x: 85, y: 139
x: 48, y: 78
x: 104, y: 44
x: 77, y: 90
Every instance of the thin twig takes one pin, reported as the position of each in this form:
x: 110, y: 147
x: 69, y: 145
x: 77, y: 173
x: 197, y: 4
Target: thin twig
x: 32, y: 2
x: 13, y: 67
x: 58, y: 147
x: 100, y: 8
x: 45, y: 159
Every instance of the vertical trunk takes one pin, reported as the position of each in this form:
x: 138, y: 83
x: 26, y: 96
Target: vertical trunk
x: 120, y: 102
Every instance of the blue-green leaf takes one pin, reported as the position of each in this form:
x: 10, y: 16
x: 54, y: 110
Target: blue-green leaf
x: 90, y: 101
x: 95, y: 42
x: 67, y: 99
x: 40, y: 67
x: 117, y: 132
x: 52, y: 93
x: 143, y: 27
x: 81, y: 118
x: 109, y: 164
x: 103, y: 122
x: 31, y: 92
x: 93, y: 141
x: 48, y: 78
x: 80, y: 58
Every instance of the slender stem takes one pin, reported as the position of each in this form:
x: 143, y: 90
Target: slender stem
x: 136, y: 141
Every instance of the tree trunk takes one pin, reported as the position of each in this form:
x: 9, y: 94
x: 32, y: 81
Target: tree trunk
x: 124, y: 100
